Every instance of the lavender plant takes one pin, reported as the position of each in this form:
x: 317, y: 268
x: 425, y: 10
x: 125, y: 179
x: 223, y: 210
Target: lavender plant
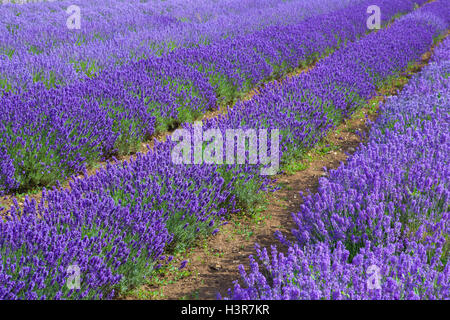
x: 378, y: 226
x: 118, y: 224
x: 123, y: 105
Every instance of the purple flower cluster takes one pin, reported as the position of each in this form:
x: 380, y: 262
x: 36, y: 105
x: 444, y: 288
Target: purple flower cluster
x: 116, y: 225
x: 238, y: 64
x: 378, y: 227
x: 304, y: 107
x: 52, y: 133
x: 36, y: 44
x: 321, y: 272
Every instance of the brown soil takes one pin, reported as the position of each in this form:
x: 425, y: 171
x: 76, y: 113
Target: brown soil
x: 213, y: 263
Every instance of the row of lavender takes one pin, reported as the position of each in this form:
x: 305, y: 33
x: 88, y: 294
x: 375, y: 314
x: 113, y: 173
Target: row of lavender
x: 378, y: 227
x: 47, y: 135
x: 36, y: 45
x: 116, y: 225
x: 306, y: 106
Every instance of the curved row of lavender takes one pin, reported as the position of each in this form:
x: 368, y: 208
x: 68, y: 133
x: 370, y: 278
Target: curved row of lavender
x: 378, y: 227
x: 117, y: 225
x: 36, y: 45
x: 117, y: 33
x: 54, y: 71
x: 49, y: 134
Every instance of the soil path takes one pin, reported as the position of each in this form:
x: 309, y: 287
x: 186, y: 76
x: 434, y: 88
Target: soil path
x: 213, y: 263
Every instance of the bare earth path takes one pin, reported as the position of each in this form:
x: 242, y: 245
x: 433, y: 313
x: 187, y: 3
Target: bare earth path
x: 213, y: 263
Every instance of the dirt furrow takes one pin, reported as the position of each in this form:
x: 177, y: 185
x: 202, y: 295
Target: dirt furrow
x: 213, y: 263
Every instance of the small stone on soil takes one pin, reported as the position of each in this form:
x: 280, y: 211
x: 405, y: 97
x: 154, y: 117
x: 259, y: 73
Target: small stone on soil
x: 215, y: 267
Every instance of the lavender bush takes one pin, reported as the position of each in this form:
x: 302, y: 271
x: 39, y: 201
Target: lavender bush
x: 53, y: 132
x: 117, y: 224
x: 385, y: 211
x: 37, y: 44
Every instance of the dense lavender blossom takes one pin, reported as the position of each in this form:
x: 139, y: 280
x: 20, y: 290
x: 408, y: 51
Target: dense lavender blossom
x: 114, y: 225
x: 36, y: 42
x: 304, y: 107
x: 319, y: 272
x: 386, y: 208
x: 86, y: 51
x: 54, y: 133
x: 117, y: 224
x: 247, y: 60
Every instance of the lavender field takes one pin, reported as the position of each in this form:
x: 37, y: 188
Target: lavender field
x: 134, y: 132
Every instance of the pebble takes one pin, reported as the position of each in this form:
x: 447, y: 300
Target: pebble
x: 215, y: 267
